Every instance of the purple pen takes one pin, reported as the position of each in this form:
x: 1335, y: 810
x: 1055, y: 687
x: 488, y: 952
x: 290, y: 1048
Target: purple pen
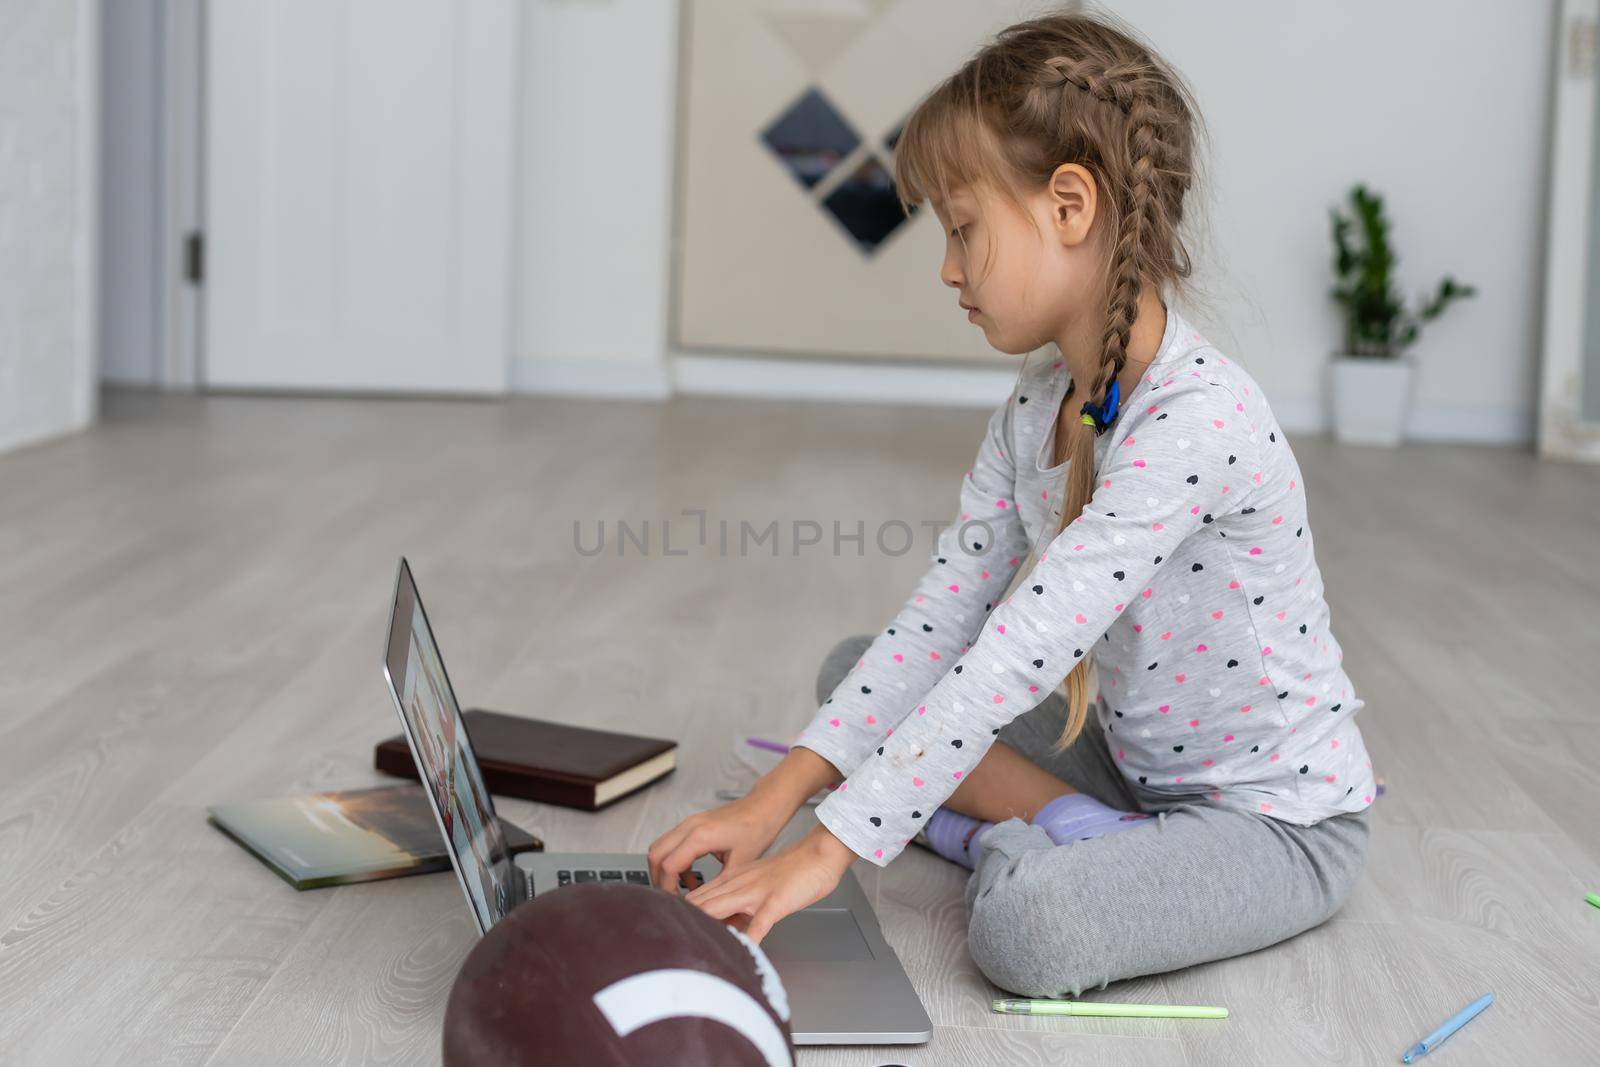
x: 771, y: 746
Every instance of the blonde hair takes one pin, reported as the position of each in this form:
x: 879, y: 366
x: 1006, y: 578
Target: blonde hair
x: 1067, y: 87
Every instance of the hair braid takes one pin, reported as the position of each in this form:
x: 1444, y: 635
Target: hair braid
x: 1113, y: 83
x: 1126, y: 284
x: 1116, y: 84
x: 1119, y: 84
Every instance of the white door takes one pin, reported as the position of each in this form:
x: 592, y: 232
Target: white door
x: 358, y: 187
x: 1569, y: 396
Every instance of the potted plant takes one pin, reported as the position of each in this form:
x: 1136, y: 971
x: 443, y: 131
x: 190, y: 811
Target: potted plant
x: 1372, y: 376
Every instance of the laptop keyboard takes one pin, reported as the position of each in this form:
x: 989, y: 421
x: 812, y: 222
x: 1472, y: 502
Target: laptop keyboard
x: 691, y: 879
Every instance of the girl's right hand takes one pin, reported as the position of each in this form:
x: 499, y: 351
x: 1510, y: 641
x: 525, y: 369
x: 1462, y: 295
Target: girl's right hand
x: 735, y: 833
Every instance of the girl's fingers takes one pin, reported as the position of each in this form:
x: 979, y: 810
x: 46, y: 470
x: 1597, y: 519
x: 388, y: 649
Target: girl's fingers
x: 732, y: 866
x: 735, y: 886
x: 732, y: 903
x: 663, y: 848
x: 688, y: 849
x: 703, y: 888
x: 760, y: 923
x: 715, y: 887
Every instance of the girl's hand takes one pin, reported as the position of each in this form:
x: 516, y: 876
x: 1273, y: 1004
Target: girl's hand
x: 735, y: 833
x: 766, y: 890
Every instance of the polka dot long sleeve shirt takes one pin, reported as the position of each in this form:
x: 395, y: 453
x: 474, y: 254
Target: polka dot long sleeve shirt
x: 1189, y: 578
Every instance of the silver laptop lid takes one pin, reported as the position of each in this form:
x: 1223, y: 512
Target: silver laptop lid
x: 451, y: 778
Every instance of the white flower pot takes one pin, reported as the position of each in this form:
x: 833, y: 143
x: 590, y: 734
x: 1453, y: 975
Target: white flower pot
x: 1371, y: 398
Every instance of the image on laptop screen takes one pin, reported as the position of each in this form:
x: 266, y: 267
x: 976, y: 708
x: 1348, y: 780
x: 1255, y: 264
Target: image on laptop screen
x: 444, y: 755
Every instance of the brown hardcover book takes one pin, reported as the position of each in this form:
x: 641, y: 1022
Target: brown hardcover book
x: 551, y: 762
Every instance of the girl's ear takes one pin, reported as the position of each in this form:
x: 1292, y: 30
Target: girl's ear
x: 1073, y: 199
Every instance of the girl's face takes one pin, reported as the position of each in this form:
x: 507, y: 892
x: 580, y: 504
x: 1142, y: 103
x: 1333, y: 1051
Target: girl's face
x: 1028, y: 285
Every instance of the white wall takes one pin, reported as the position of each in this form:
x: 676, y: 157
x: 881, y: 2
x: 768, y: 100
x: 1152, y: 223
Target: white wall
x: 594, y: 198
x: 48, y: 191
x: 1442, y: 105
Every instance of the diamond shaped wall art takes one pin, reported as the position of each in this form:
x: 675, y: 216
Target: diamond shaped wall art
x: 866, y: 205
x: 812, y: 139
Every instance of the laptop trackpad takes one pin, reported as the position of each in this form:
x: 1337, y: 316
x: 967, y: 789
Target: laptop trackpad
x: 824, y: 934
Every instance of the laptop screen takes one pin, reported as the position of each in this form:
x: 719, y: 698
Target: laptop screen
x: 450, y: 773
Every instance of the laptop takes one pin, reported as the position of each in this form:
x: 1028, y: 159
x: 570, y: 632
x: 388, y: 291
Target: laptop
x: 844, y: 983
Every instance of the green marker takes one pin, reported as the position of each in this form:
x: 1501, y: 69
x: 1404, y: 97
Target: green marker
x: 1012, y: 1006
x: 1593, y: 898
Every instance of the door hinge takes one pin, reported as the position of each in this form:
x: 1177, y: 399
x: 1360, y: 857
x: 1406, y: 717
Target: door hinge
x: 193, y: 261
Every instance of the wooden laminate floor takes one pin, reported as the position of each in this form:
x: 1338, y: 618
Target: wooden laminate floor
x: 192, y: 603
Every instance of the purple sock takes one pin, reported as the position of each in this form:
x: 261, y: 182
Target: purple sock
x: 1068, y: 818
x: 954, y: 836
x: 1078, y: 817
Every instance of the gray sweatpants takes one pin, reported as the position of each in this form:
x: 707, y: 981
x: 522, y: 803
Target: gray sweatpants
x: 1196, y: 883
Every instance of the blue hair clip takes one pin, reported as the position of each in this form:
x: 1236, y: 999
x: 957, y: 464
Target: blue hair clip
x: 1102, y: 416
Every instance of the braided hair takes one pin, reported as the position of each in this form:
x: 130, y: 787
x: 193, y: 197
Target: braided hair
x: 1069, y: 87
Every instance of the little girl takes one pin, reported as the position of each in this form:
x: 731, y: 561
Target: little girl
x: 1134, y: 511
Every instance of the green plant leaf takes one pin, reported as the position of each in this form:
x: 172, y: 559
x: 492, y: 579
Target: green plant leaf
x: 1376, y: 322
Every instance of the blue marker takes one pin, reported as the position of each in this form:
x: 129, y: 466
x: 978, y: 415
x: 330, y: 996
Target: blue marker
x: 1448, y: 1027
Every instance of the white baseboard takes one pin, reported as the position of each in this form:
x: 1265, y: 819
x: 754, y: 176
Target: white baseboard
x: 864, y: 382
x: 984, y: 387
x: 1427, y: 422
x: 852, y: 381
x: 37, y: 435
x: 591, y: 377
